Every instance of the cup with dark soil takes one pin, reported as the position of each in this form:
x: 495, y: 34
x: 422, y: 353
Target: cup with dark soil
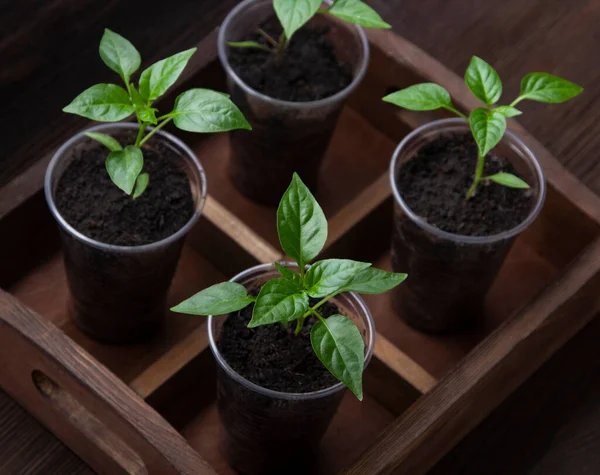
x: 293, y: 106
x: 121, y: 253
x: 451, y: 247
x: 275, y: 398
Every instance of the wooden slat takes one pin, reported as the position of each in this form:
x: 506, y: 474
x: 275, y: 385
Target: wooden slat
x: 83, y: 403
x: 437, y: 421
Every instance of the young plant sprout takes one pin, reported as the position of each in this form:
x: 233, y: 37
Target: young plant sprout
x: 488, y: 123
x: 196, y: 110
x: 302, y: 230
x: 294, y: 14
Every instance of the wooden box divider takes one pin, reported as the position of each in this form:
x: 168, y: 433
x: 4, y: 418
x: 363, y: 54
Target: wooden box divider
x: 150, y: 408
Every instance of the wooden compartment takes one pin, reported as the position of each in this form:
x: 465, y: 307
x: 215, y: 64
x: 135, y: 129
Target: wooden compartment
x: 423, y: 392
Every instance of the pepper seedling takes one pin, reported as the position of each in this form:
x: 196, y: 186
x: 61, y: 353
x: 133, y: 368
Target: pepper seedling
x: 302, y: 229
x: 488, y: 123
x: 294, y: 14
x: 196, y: 110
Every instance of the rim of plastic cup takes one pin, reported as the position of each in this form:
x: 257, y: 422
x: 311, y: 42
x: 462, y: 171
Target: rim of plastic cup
x: 338, y: 96
x: 259, y: 269
x: 514, y: 142
x: 111, y: 247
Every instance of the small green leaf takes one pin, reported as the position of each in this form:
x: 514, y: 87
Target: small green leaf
x: 141, y: 184
x: 290, y: 275
x: 144, y: 112
x: 508, y: 111
x: 219, y: 299
x: 357, y: 12
x: 203, y: 110
x: 124, y: 166
x: 544, y: 87
x: 301, y: 223
x: 293, y: 14
x: 374, y: 281
x: 331, y: 275
x: 106, y: 140
x: 159, y: 77
x: 102, y: 102
x: 421, y: 97
x: 487, y: 128
x: 119, y: 54
x: 483, y: 81
x: 248, y: 44
x: 339, y: 346
x: 507, y: 179
x: 278, y: 301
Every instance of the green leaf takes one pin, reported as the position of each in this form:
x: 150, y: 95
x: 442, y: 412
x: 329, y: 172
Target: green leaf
x: 144, y: 112
x: 374, y: 281
x: 339, y: 346
x: 331, y: 275
x: 487, y: 128
x: 508, y: 111
x: 219, y: 299
x: 156, y: 79
x: 290, y: 275
x: 421, y: 97
x: 203, y: 110
x: 293, y: 14
x: 544, y: 87
x: 278, y: 301
x: 301, y: 223
x: 109, y: 142
x: 507, y: 179
x: 119, y: 54
x: 102, y: 102
x: 483, y: 81
x: 124, y: 166
x: 248, y: 44
x: 357, y: 12
x: 141, y: 184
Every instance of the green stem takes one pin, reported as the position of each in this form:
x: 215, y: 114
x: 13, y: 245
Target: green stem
x: 516, y: 101
x: 140, y: 133
x: 477, y: 178
x: 318, y: 315
x: 154, y: 130
x: 299, y: 325
x: 268, y: 37
x: 283, y: 42
x: 456, y: 111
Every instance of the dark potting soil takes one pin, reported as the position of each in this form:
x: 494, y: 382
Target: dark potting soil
x: 309, y: 69
x: 272, y: 356
x: 434, y: 183
x: 92, y: 204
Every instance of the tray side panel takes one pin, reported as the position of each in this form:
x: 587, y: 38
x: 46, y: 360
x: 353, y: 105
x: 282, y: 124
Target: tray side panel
x: 437, y: 421
x: 75, y: 397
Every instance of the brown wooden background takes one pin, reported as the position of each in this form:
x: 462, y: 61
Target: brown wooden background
x: 48, y: 54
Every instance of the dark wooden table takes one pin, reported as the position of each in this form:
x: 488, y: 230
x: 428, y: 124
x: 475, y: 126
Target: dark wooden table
x: 48, y: 52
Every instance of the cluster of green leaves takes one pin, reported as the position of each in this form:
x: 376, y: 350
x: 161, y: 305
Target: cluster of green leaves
x: 302, y: 230
x: 294, y: 14
x: 196, y: 110
x: 488, y: 123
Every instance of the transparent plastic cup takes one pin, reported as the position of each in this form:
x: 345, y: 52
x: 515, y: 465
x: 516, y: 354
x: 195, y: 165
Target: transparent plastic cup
x: 272, y: 432
x: 450, y: 274
x: 286, y: 136
x: 118, y: 293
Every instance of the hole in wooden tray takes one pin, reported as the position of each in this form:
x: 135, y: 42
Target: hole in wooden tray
x: 89, y: 425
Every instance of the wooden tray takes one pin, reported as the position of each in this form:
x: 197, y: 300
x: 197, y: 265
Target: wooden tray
x: 423, y: 393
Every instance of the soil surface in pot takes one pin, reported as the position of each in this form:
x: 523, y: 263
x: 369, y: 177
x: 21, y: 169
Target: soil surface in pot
x: 90, y: 202
x: 272, y: 356
x: 434, y: 183
x: 308, y: 71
